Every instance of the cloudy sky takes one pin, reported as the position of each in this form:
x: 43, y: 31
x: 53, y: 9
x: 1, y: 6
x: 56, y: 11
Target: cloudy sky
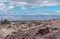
x: 29, y: 7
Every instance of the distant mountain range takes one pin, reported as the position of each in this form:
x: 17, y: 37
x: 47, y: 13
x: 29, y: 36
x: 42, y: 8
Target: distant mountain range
x: 28, y: 17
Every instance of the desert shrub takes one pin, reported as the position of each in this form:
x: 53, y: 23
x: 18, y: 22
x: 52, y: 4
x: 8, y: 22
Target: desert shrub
x: 5, y: 22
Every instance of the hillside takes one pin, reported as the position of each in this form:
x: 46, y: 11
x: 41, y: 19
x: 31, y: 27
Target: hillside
x: 53, y: 31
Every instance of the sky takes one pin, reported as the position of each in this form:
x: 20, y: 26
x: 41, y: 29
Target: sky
x: 26, y: 8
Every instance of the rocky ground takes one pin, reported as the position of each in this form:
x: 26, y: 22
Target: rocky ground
x: 32, y: 33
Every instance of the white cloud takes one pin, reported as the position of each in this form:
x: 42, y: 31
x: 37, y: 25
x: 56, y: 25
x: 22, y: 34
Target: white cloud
x: 47, y: 3
x: 23, y: 3
x: 23, y: 8
x: 45, y: 13
x: 2, y: 6
x: 10, y: 7
x: 57, y: 11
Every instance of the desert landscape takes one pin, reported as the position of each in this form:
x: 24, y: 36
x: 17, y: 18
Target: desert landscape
x: 36, y: 29
x: 29, y: 19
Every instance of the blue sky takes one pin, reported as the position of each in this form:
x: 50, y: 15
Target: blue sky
x: 29, y: 7
x: 38, y: 9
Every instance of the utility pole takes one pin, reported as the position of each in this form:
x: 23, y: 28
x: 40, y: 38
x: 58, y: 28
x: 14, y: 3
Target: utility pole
x: 1, y: 19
